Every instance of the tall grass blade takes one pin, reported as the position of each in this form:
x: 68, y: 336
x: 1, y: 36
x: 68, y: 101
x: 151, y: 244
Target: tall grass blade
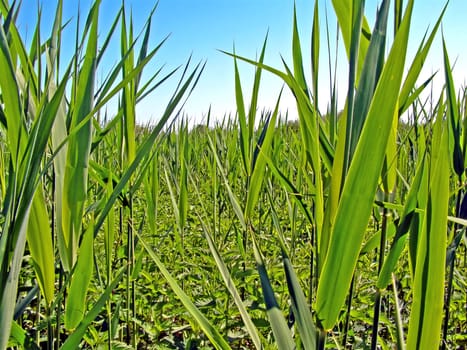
x: 279, y: 327
x: 359, y: 189
x: 342, y: 9
x: 79, y: 145
x: 457, y: 158
x: 428, y: 288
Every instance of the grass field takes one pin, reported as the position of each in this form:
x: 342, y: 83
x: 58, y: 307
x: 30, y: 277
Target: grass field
x: 343, y: 229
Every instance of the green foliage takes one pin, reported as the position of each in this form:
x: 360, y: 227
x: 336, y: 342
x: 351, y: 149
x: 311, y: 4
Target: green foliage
x: 254, y: 232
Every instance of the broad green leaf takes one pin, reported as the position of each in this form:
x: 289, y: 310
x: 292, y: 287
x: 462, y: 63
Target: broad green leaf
x: 11, y: 101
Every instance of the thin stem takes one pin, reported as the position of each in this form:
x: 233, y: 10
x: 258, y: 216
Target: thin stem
x: 451, y: 276
x: 399, y: 326
x: 349, y: 306
x: 382, y: 250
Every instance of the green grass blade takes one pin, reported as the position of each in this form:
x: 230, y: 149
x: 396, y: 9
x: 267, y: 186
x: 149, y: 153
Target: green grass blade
x: 351, y: 137
x: 359, y: 189
x: 232, y: 197
x: 259, y: 166
x: 254, y: 95
x: 128, y: 93
x: 10, y: 98
x: 299, y: 73
x: 279, y: 327
x: 245, y: 138
x: 183, y: 180
x: 368, y: 79
x: 39, y: 238
x: 300, y: 307
x: 80, y: 278
x: 417, y: 65
x: 403, y: 228
x: 453, y: 118
x: 79, y: 145
x: 428, y: 288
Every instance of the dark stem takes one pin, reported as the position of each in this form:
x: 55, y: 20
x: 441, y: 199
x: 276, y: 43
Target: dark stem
x: 451, y: 276
x: 349, y: 306
x: 377, y: 307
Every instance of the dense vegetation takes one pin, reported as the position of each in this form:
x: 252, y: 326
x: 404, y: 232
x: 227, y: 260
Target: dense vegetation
x: 343, y: 229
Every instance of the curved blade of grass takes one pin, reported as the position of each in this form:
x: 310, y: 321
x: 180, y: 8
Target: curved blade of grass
x: 211, y: 332
x: 359, y: 189
x: 79, y: 145
x: 11, y: 100
x: 297, y: 56
x: 232, y: 197
x: 254, y: 95
x: 457, y: 159
x: 416, y: 66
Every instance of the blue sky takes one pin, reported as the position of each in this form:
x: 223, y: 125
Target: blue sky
x: 200, y: 28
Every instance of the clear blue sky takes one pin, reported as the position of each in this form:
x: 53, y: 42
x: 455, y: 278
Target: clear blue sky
x: 200, y: 28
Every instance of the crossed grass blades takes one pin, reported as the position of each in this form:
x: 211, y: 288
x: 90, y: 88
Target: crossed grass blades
x: 344, y: 228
